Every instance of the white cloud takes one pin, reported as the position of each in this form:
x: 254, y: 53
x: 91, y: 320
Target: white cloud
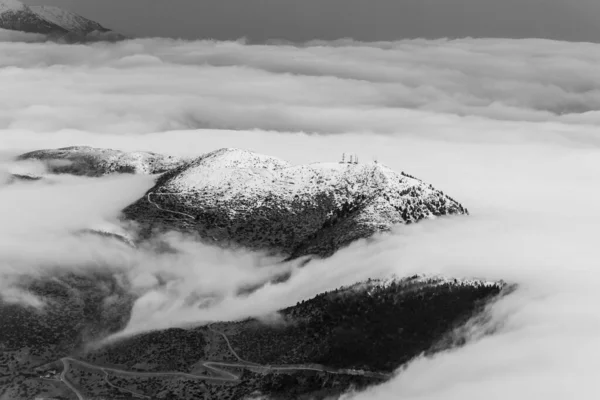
x: 509, y: 128
x: 350, y: 86
x: 16, y: 36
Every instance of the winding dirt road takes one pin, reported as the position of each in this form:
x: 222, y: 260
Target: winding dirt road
x: 208, y: 364
x: 165, y: 210
x: 63, y: 378
x: 222, y: 374
x: 300, y: 367
x: 231, y: 350
x: 121, y: 388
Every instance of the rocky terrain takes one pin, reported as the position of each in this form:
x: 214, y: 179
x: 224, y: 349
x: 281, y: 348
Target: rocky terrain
x: 54, y: 324
x: 375, y: 325
x: 237, y: 197
x: 68, y: 20
x: 15, y: 15
x: 52, y: 21
x: 352, y: 337
x: 15, y: 178
x: 49, y: 316
x: 91, y: 161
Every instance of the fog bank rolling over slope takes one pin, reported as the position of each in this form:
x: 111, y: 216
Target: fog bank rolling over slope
x: 507, y: 127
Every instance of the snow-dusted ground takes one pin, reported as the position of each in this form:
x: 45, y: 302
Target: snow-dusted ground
x: 262, y: 202
x: 429, y: 280
x: 16, y: 16
x: 54, y: 21
x: 11, y: 5
x: 67, y: 19
x: 84, y: 160
x: 247, y: 180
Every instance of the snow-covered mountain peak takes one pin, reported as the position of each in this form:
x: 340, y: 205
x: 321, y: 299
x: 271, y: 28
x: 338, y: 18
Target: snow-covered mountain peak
x: 92, y: 161
x: 67, y: 19
x: 256, y: 200
x: 230, y: 157
x: 11, y: 5
x: 14, y: 15
x: 233, y: 173
x: 52, y: 21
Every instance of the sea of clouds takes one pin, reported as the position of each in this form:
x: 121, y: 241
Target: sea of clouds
x: 507, y: 127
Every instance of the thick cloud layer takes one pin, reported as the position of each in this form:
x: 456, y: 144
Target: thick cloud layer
x: 509, y: 128
x: 155, y: 85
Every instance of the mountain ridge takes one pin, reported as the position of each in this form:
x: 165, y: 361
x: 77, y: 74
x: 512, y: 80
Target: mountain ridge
x: 17, y: 16
x: 93, y: 161
x: 52, y: 21
x: 243, y: 198
x: 350, y: 337
x: 325, y: 345
x: 68, y: 20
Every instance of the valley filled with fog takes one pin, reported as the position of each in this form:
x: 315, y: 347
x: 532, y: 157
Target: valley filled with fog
x: 506, y: 127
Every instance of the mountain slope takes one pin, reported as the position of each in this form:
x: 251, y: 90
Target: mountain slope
x: 321, y: 347
x: 15, y: 15
x: 317, y: 349
x: 68, y: 20
x: 52, y: 21
x: 261, y: 202
x: 91, y: 161
x: 376, y: 325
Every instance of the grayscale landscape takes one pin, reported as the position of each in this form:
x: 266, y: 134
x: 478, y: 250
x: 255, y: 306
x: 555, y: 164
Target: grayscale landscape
x: 304, y: 210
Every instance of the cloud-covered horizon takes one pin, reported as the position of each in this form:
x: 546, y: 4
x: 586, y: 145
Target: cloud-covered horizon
x: 319, y: 87
x: 507, y: 127
x: 261, y: 20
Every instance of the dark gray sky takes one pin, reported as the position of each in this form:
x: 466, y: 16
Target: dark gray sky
x: 300, y: 20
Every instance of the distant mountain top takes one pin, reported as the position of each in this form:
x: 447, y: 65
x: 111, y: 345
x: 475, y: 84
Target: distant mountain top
x: 262, y: 202
x: 15, y: 15
x: 11, y: 5
x: 68, y: 20
x: 92, y: 161
x: 52, y: 21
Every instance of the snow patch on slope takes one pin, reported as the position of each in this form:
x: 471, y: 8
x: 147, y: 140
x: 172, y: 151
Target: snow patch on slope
x: 11, y: 5
x: 419, y: 280
x: 59, y: 24
x: 261, y: 202
x: 67, y: 19
x: 16, y: 16
x: 91, y: 161
x: 251, y: 179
